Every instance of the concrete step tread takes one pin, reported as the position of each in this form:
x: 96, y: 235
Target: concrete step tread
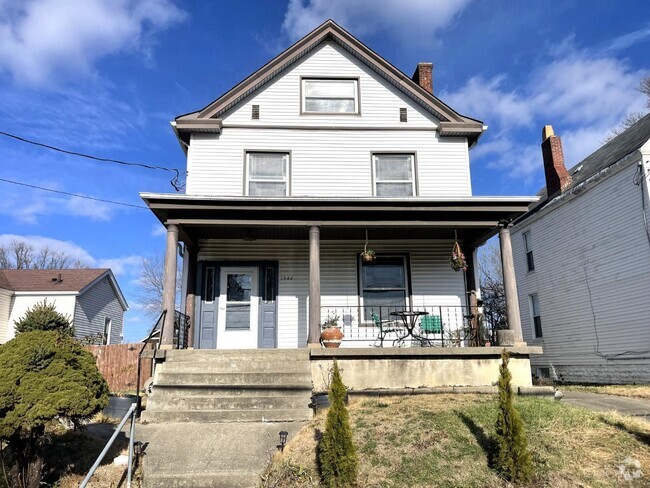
x: 226, y: 402
x: 222, y: 479
x: 243, y: 386
x: 173, y: 391
x: 227, y: 416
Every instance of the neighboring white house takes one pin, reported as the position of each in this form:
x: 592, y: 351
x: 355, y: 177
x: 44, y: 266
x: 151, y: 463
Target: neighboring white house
x: 582, y: 259
x: 326, y: 148
x: 91, y: 298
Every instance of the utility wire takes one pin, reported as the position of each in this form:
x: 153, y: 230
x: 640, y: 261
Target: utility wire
x: 73, y: 194
x: 174, y: 181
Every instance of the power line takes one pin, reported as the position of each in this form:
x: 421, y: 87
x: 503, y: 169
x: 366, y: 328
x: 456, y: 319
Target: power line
x: 73, y: 194
x: 174, y: 181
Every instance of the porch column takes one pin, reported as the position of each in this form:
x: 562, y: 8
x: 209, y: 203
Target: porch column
x: 169, y: 288
x: 190, y: 295
x: 313, y: 338
x: 510, y: 283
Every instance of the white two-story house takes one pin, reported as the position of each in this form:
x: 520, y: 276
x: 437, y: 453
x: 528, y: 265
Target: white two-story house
x: 326, y: 150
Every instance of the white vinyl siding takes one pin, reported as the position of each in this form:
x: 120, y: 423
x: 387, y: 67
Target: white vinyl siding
x: 6, y: 300
x: 592, y: 276
x: 433, y: 281
x: 394, y: 175
x: 64, y: 304
x: 93, y: 307
x: 267, y: 174
x: 327, y: 163
x: 330, y: 96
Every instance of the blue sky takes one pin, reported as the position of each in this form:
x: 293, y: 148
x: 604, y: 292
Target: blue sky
x: 106, y: 76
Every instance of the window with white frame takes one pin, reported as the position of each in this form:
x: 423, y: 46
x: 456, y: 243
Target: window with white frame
x: 384, y: 285
x: 528, y: 245
x: 393, y: 175
x: 330, y: 96
x: 267, y: 174
x: 534, y: 312
x: 108, y: 322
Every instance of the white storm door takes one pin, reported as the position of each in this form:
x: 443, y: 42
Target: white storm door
x: 237, y: 318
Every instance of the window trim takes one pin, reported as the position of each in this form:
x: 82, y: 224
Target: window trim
x: 532, y: 316
x: 357, y: 100
x: 246, y: 165
x: 528, y: 250
x: 414, y: 165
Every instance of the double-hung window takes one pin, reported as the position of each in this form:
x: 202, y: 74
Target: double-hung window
x: 528, y: 245
x: 267, y: 174
x: 534, y: 312
x: 108, y: 325
x: 330, y: 96
x: 393, y: 175
x: 384, y: 285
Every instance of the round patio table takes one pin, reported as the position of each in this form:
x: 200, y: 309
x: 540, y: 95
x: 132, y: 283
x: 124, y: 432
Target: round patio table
x: 410, y: 319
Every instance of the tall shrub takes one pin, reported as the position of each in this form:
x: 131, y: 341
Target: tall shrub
x: 44, y: 376
x: 512, y: 458
x: 44, y: 316
x: 337, y: 456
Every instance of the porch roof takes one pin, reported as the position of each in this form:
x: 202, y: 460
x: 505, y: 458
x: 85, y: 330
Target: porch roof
x: 475, y: 219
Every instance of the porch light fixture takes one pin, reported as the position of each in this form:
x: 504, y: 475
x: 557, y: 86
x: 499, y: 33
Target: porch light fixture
x: 283, y: 440
x: 368, y: 255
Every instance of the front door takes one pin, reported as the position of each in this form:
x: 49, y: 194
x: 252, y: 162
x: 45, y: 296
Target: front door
x: 238, y: 314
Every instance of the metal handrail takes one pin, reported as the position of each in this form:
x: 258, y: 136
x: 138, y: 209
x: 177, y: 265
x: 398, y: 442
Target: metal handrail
x: 130, y: 413
x: 161, y: 321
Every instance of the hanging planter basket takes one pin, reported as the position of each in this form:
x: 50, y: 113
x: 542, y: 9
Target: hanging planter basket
x: 368, y: 255
x: 457, y: 260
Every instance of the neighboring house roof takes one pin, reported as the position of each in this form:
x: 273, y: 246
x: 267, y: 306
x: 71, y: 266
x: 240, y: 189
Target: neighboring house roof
x: 57, y: 280
x: 618, y: 148
x: 208, y: 119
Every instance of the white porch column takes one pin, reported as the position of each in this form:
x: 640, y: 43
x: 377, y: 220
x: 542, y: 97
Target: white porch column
x: 313, y: 338
x: 510, y: 283
x: 169, y: 290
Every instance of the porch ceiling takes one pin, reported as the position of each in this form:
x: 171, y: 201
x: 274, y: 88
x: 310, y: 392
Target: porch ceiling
x: 475, y: 218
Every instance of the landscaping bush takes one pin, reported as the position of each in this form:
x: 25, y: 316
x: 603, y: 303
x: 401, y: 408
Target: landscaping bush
x: 44, y: 375
x: 512, y: 459
x: 44, y: 316
x: 337, y: 456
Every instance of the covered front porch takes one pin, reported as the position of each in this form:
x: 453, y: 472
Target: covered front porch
x: 267, y: 273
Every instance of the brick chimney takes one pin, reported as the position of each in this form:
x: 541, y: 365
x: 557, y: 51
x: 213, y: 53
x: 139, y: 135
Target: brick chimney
x: 558, y: 178
x: 423, y: 76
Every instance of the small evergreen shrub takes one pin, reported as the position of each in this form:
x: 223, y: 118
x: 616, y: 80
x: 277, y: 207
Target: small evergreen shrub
x: 512, y: 459
x: 44, y: 316
x: 44, y: 375
x: 337, y: 456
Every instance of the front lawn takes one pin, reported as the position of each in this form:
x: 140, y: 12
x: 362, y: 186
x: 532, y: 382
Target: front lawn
x: 445, y: 441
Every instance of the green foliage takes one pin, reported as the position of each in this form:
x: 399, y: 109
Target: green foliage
x: 337, y: 456
x: 44, y: 375
x: 44, y: 316
x: 512, y: 460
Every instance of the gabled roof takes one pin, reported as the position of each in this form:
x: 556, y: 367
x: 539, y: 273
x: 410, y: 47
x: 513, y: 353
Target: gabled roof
x: 208, y: 119
x: 617, y: 149
x: 74, y: 281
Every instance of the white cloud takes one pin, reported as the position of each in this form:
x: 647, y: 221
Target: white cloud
x: 158, y: 230
x: 414, y: 20
x: 628, y: 40
x: 126, y: 265
x: 39, y: 38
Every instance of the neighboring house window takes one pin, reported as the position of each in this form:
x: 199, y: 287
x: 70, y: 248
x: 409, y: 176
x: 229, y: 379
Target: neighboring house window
x: 384, y: 285
x: 330, y: 96
x: 108, y: 322
x: 267, y: 174
x: 534, y: 312
x: 528, y: 245
x: 394, y: 175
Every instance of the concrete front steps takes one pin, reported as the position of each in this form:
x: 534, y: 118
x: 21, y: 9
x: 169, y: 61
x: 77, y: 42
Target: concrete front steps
x: 214, y: 417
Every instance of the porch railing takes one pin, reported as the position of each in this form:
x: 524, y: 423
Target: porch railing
x: 443, y: 326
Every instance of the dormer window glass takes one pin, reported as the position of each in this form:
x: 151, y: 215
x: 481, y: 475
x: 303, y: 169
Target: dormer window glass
x: 393, y: 175
x: 267, y: 174
x: 330, y: 96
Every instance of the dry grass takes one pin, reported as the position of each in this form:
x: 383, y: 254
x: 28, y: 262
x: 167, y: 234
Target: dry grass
x: 634, y: 391
x: 445, y: 441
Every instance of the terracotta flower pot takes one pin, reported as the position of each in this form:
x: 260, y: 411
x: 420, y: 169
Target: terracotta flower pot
x: 331, y: 337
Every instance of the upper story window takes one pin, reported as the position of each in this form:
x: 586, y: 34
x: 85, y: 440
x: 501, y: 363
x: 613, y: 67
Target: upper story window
x: 267, y: 174
x: 534, y: 312
x: 330, y: 96
x: 393, y: 175
x: 528, y: 246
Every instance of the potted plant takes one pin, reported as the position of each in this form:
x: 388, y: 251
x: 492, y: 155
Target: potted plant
x: 368, y: 255
x: 457, y: 259
x: 331, y: 334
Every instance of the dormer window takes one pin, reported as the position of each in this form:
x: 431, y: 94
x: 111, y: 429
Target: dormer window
x: 330, y: 96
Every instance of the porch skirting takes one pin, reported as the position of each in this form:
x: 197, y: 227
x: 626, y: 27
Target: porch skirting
x: 431, y: 367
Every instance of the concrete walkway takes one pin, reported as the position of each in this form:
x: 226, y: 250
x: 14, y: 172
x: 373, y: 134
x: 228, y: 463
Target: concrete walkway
x: 634, y: 407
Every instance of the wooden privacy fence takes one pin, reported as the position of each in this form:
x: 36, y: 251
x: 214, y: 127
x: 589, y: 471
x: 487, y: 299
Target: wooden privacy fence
x: 119, y: 365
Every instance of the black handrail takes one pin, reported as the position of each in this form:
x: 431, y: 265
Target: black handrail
x: 161, y: 321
